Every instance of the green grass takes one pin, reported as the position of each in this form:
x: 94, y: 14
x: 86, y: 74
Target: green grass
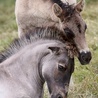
x: 85, y: 77
x: 8, y: 27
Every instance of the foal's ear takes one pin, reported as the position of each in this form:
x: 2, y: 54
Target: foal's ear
x: 57, y: 9
x: 79, y: 6
x: 54, y: 49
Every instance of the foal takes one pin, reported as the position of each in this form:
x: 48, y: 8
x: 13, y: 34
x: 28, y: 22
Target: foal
x: 31, y: 61
x: 54, y: 13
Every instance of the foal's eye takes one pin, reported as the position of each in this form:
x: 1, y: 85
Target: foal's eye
x: 61, y: 67
x: 69, y: 33
x: 79, y: 27
x: 85, y: 26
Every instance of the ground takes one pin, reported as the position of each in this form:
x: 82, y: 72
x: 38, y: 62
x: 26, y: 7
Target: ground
x: 85, y: 76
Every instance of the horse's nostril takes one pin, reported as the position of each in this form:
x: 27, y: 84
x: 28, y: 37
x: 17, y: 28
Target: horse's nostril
x: 87, y: 59
x: 66, y: 94
x: 59, y: 96
x: 83, y: 57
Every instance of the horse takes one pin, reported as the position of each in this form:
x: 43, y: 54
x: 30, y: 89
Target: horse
x: 31, y: 61
x: 54, y: 13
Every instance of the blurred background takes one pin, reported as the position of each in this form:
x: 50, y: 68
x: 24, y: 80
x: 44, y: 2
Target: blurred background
x: 85, y: 77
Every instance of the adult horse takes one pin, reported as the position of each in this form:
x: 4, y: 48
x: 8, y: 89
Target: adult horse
x: 55, y: 13
x: 31, y: 61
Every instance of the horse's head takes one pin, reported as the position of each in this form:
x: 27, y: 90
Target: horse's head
x: 74, y: 27
x: 57, y: 68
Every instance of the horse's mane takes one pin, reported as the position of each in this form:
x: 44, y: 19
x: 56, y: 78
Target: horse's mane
x: 59, y: 2
x: 49, y: 33
x: 69, y: 9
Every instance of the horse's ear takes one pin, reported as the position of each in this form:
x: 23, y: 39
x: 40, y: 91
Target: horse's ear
x: 54, y: 49
x: 79, y: 6
x: 57, y: 9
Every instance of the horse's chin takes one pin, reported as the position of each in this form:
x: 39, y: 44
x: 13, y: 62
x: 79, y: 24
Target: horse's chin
x: 85, y: 58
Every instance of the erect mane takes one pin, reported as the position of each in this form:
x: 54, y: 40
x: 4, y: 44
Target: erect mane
x: 49, y: 33
x: 59, y: 2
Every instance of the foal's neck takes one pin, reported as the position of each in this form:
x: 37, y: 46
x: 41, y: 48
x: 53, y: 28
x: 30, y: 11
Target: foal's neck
x: 32, y: 69
x: 26, y: 64
x: 32, y: 63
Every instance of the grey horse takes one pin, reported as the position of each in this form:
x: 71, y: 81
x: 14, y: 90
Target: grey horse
x: 32, y: 61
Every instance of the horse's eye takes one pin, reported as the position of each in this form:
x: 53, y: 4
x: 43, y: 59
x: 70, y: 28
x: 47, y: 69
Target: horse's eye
x: 61, y: 67
x: 85, y: 26
x: 79, y: 27
x: 69, y: 33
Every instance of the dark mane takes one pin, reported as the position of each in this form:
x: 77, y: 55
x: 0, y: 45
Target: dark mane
x: 59, y: 2
x: 68, y: 9
x: 50, y: 33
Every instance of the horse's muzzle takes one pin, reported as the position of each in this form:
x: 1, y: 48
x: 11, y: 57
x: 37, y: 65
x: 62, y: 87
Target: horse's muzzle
x: 85, y: 58
x: 59, y: 96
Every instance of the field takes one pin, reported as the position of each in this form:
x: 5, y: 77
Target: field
x: 85, y: 77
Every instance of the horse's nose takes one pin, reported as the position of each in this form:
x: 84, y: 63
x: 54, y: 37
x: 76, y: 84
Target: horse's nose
x: 62, y: 95
x: 59, y: 96
x: 84, y: 58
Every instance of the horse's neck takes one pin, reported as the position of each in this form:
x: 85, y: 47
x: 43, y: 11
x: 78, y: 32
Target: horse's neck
x: 38, y: 22
x: 34, y: 17
x: 24, y: 68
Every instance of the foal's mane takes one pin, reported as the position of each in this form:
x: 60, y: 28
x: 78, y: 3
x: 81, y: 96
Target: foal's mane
x: 69, y: 9
x: 49, y: 33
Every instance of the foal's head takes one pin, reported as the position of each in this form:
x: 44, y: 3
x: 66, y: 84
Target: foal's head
x: 57, y: 68
x: 74, y: 27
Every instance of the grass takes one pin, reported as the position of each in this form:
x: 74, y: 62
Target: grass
x: 8, y: 27
x: 85, y: 77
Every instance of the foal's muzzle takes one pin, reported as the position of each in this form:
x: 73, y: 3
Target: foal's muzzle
x: 85, y: 58
x: 64, y: 95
